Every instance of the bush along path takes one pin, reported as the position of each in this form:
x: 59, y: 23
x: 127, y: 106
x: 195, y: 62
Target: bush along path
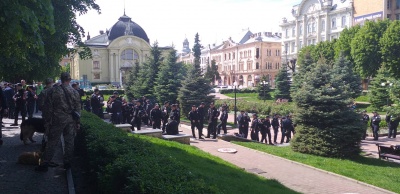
x: 118, y: 163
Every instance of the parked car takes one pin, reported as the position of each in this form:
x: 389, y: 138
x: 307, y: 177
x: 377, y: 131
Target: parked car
x: 102, y: 87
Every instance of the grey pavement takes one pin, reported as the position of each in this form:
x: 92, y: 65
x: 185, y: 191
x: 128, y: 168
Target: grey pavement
x: 20, y: 179
x: 299, y: 177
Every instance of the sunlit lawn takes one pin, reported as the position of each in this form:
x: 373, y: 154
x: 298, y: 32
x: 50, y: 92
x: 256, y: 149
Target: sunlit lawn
x: 373, y: 171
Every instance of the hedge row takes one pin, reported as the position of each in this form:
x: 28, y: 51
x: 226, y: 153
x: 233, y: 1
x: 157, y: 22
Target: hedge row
x: 119, y: 163
x: 106, y: 92
x: 244, y: 90
x: 263, y: 108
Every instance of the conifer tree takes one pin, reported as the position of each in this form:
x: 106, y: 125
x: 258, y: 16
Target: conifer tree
x: 379, y: 89
x: 144, y: 84
x: 326, y: 126
x: 169, y: 79
x: 212, y: 72
x: 132, y: 79
x: 195, y: 88
x: 344, y: 69
x: 282, y: 84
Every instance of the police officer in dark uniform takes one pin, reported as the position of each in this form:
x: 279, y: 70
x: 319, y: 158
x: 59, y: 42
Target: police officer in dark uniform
x: 156, y: 116
x: 224, y: 120
x: 212, y: 118
x: 116, y: 110
x: 165, y: 115
x: 255, y: 128
x: 194, y: 121
x: 365, y: 119
x: 172, y: 128
x: 275, y: 125
x: 148, y: 108
x: 393, y: 123
x: 20, y: 104
x: 137, y: 114
x: 375, y: 120
x: 266, y: 130
x: 95, y: 102
x: 200, y: 126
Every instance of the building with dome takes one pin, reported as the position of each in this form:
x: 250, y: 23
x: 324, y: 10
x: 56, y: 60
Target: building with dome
x: 114, y: 53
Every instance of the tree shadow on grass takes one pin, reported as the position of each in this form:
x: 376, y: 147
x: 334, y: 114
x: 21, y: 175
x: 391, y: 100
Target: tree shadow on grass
x: 226, y: 176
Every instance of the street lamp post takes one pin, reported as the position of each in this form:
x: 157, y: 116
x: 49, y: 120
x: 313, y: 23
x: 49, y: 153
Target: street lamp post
x: 264, y: 83
x: 235, y: 120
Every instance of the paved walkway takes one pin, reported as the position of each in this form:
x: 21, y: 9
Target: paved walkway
x: 298, y: 177
x: 20, y: 179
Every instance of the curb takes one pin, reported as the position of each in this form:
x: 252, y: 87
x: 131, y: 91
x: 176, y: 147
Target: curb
x: 70, y: 180
x: 317, y: 169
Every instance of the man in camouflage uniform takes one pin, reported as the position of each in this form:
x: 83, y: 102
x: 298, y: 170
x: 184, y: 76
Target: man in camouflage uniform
x: 60, y: 103
x: 41, y: 100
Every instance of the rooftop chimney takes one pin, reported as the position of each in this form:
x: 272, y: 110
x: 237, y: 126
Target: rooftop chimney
x: 88, y: 36
x: 101, y: 32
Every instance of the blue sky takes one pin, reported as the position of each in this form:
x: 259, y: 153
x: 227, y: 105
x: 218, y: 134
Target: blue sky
x: 171, y: 21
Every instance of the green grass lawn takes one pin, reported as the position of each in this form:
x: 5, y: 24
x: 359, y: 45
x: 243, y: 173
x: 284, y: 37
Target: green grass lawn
x: 227, y: 177
x: 373, y: 171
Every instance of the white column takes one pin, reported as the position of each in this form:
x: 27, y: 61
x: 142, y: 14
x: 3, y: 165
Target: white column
x: 116, y: 68
x: 110, y: 58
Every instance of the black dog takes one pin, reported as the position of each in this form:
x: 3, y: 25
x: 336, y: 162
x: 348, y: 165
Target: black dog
x: 29, y: 127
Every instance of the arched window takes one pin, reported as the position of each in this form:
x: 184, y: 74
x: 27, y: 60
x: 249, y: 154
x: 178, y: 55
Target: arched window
x: 129, y: 54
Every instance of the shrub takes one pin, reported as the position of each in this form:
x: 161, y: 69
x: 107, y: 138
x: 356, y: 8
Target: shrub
x: 128, y: 164
x: 106, y: 92
x: 267, y: 108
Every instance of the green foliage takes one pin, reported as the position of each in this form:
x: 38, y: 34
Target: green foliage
x: 243, y: 90
x: 359, y: 168
x: 169, y: 79
x: 130, y: 87
x: 35, y: 36
x: 324, y: 50
x: 212, y: 73
x: 366, y: 48
x: 262, y: 108
x: 344, y: 70
x: 390, y: 48
x: 326, y: 126
x: 282, y: 84
x: 305, y: 64
x: 148, y: 71
x: 343, y: 43
x: 195, y: 88
x: 264, y: 89
x: 118, y: 162
x: 378, y: 94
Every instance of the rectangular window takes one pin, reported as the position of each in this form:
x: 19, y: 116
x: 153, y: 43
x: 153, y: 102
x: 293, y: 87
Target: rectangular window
x: 309, y: 29
x: 397, y: 16
x: 96, y: 76
x: 388, y: 16
x: 300, y: 44
x: 96, y: 64
x: 293, y: 45
x: 333, y: 23
x: 389, y: 4
x: 241, y: 54
x: 234, y: 55
x: 344, y: 21
x: 308, y: 42
x: 257, y: 53
x: 287, y: 33
x: 286, y: 48
x: 397, y: 4
x: 323, y: 25
x: 313, y: 27
x: 293, y: 32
